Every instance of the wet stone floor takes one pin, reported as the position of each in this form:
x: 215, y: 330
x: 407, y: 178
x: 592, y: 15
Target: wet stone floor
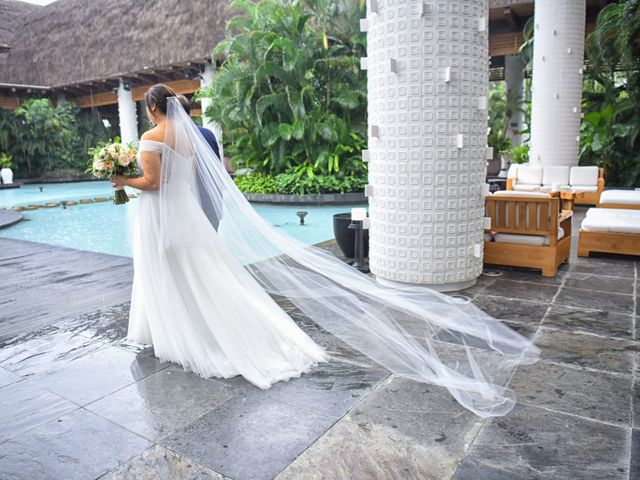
x: 78, y: 403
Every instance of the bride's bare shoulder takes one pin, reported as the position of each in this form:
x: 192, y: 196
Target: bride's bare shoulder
x: 156, y: 134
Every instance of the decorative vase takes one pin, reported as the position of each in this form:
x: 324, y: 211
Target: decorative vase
x: 7, y: 175
x: 346, y: 238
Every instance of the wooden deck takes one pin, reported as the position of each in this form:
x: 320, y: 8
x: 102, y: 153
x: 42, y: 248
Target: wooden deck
x: 42, y: 284
x: 9, y: 217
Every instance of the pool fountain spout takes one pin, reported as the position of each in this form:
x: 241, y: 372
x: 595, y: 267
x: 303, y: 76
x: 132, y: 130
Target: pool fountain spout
x: 301, y: 216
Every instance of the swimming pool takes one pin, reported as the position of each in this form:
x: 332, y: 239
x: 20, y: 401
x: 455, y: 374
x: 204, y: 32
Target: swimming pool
x: 106, y: 228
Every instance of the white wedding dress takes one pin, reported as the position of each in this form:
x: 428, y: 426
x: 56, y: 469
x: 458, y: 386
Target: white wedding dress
x: 200, y: 296
x: 200, y: 308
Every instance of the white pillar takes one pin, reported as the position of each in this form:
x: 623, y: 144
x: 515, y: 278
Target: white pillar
x: 428, y: 78
x: 558, y: 58
x: 514, y: 80
x: 127, y: 114
x: 207, y: 79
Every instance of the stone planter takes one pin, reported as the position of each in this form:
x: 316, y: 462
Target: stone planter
x: 346, y: 238
x: 322, y: 199
x: 7, y: 175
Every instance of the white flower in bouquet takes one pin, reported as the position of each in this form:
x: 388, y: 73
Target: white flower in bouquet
x: 124, y: 159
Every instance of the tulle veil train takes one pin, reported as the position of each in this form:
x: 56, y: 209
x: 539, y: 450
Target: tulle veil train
x: 412, y: 331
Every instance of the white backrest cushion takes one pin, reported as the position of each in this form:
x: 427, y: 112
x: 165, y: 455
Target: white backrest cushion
x: 514, y: 193
x: 513, y: 170
x: 584, y: 176
x: 558, y: 174
x: 530, y: 175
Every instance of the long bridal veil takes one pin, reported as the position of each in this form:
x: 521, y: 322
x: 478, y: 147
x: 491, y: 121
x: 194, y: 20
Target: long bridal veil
x: 412, y: 331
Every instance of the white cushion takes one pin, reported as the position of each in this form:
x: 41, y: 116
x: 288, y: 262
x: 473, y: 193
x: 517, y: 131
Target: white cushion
x: 513, y: 170
x: 583, y: 176
x: 529, y: 175
x: 538, y: 240
x: 558, y: 174
x: 622, y: 197
x: 612, y: 220
x: 513, y: 193
x: 526, y: 187
x: 549, y: 188
x: 584, y: 188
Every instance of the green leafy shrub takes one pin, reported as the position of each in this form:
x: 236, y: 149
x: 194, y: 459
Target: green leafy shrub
x: 5, y: 161
x: 290, y: 95
x: 293, y: 184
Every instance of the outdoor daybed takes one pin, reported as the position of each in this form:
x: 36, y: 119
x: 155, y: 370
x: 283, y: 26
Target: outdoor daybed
x: 610, y: 230
x: 627, y: 199
x: 527, y: 230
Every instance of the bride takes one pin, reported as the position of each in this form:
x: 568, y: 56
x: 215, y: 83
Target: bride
x: 201, y: 296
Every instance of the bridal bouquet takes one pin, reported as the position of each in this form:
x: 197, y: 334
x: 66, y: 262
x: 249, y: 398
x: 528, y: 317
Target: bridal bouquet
x: 114, y: 158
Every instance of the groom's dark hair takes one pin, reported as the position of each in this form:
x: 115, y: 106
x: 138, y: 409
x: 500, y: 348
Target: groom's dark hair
x: 158, y: 96
x: 185, y: 102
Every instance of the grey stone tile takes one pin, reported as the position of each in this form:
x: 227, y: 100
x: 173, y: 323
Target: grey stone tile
x: 94, y: 376
x: 533, y: 443
x: 79, y: 446
x: 46, y: 353
x: 615, y: 266
x: 575, y: 391
x: 253, y: 437
x: 420, y: 414
x: 161, y: 403
x: 512, y: 309
x: 525, y: 329
x: 634, y: 467
x: 108, y: 325
x: 530, y: 275
x: 536, y: 292
x: 600, y: 282
x: 7, y: 377
x: 331, y: 388
x: 590, y: 351
x: 579, y: 298
x: 494, y: 469
x: 600, y: 322
x: 24, y: 406
x: 158, y: 463
x: 367, y: 452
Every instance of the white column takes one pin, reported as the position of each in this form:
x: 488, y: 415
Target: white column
x: 558, y: 57
x: 207, y: 79
x: 427, y: 65
x: 514, y: 80
x: 127, y: 114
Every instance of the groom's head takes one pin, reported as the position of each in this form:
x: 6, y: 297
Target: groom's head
x: 186, y: 104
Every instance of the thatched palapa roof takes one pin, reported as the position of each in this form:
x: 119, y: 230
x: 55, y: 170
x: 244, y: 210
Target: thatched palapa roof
x: 11, y: 13
x: 74, y: 41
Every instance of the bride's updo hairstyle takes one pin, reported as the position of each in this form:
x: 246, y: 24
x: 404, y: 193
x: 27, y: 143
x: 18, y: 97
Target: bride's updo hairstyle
x: 157, y: 96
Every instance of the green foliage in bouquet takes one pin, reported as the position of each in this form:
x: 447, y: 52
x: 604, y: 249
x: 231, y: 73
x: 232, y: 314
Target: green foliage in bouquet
x: 290, y: 94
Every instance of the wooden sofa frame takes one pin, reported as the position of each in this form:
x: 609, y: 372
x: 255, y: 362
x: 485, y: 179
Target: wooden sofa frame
x: 528, y: 216
x: 583, y: 198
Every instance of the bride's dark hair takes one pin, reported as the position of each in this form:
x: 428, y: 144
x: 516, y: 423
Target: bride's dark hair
x: 158, y: 95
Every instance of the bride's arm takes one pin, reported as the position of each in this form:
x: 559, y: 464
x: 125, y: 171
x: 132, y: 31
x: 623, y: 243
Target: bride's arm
x: 151, y: 177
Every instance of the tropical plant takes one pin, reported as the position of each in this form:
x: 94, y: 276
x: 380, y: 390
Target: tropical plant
x: 5, y: 161
x: 520, y: 153
x: 290, y: 95
x: 611, y: 97
x: 291, y: 183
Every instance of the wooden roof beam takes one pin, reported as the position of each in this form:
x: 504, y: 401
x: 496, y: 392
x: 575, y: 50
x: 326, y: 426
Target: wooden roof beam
x: 511, y: 18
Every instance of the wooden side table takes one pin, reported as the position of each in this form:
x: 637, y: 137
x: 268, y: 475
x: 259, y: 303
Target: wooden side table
x: 568, y: 200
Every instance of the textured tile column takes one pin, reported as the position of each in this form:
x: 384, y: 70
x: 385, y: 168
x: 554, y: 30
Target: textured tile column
x: 427, y: 66
x: 127, y: 114
x: 514, y: 80
x: 207, y: 78
x: 558, y: 58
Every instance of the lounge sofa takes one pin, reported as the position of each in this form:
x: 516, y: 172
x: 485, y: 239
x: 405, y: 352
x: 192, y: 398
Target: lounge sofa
x: 586, y: 183
x: 610, y: 230
x: 527, y: 231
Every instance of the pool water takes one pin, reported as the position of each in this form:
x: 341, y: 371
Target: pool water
x: 107, y: 228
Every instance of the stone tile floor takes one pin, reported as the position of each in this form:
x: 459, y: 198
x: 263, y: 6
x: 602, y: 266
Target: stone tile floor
x: 77, y: 403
